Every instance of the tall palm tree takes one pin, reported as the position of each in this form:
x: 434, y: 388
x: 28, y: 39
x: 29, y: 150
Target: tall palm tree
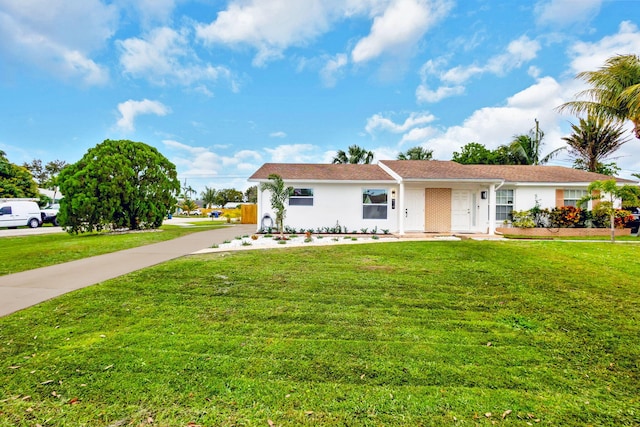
x: 526, y: 149
x: 614, y: 92
x: 208, y: 197
x: 416, y: 153
x: 355, y: 155
x: 593, y: 140
x: 279, y: 195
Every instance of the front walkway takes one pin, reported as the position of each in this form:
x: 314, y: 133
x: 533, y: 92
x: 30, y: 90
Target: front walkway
x: 22, y: 290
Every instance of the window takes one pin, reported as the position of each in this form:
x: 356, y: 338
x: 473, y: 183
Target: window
x: 301, y: 197
x: 374, y: 204
x: 504, y: 205
x: 5, y: 210
x: 572, y: 197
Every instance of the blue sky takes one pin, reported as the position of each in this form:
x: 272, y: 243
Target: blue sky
x: 222, y: 86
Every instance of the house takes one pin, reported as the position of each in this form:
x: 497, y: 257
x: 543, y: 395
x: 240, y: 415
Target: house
x: 406, y: 196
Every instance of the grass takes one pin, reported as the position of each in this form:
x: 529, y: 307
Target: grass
x: 23, y: 253
x: 411, y: 333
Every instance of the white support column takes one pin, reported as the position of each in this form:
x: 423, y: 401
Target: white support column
x: 259, y: 209
x: 401, y: 207
x: 492, y: 209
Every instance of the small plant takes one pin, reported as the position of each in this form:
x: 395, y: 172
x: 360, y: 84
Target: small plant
x: 282, y: 242
x: 374, y: 237
x: 215, y: 246
x: 238, y: 238
x: 308, y: 240
x: 364, y: 230
x: 227, y: 241
x: 335, y: 239
x: 254, y: 237
x: 374, y: 230
x: 353, y: 239
x: 346, y: 237
x: 293, y: 236
x: 307, y: 234
x: 245, y: 236
x: 385, y: 231
x: 246, y: 243
x: 320, y: 237
x: 268, y: 235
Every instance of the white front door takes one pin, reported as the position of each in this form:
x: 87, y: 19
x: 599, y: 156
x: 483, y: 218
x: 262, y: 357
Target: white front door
x: 460, y: 210
x: 414, y: 210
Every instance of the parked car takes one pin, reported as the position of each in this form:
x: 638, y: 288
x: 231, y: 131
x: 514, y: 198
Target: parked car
x: 18, y: 213
x: 215, y: 214
x: 635, y: 224
x: 50, y: 214
x: 195, y: 212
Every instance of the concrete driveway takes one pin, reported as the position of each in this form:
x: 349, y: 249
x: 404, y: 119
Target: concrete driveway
x: 22, y: 290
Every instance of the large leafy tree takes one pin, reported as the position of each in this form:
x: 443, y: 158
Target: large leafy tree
x: 354, y: 155
x: 227, y: 195
x: 416, y: 153
x: 15, y: 181
x: 251, y: 194
x: 279, y: 195
x: 526, y: 149
x: 614, y: 93
x: 474, y: 153
x: 592, y: 141
x: 117, y: 184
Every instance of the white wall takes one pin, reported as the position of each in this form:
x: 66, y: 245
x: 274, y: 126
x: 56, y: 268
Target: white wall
x: 525, y: 197
x: 331, y: 203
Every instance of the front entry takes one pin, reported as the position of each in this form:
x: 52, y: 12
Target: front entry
x: 460, y: 210
x: 414, y: 210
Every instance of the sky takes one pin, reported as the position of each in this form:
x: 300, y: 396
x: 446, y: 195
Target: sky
x: 221, y: 87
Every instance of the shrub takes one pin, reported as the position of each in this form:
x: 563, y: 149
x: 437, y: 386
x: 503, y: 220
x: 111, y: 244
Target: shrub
x: 522, y: 219
x: 566, y: 217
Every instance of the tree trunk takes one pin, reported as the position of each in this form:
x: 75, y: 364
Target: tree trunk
x: 613, y: 228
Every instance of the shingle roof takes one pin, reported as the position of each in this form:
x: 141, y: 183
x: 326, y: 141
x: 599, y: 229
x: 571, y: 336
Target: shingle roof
x: 449, y: 170
x: 322, y: 172
x: 428, y: 170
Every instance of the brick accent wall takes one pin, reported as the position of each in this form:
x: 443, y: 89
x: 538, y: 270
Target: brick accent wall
x: 437, y: 210
x: 559, y: 197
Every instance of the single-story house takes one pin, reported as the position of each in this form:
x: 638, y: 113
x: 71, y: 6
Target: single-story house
x: 406, y: 196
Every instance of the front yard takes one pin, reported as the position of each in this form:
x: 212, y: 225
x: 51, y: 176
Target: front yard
x: 411, y: 333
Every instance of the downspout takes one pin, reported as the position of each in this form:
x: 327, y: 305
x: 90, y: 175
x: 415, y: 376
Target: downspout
x: 492, y: 207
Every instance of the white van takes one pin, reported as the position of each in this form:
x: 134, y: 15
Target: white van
x: 17, y: 213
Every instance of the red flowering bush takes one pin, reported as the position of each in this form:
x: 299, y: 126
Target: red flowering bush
x: 566, y: 217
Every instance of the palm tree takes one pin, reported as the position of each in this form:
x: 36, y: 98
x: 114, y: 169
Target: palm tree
x: 416, y: 153
x: 614, y: 92
x: 279, y: 195
x: 208, y: 197
x: 526, y: 149
x: 355, y: 155
x: 593, y: 140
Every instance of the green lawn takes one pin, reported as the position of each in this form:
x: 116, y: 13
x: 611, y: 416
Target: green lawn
x: 27, y: 252
x: 411, y: 333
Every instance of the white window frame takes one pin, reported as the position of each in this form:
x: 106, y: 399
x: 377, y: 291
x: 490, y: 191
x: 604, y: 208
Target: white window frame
x: 301, y: 199
x: 509, y: 202
x: 575, y: 194
x: 366, y: 206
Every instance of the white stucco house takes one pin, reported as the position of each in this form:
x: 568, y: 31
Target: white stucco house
x: 408, y: 196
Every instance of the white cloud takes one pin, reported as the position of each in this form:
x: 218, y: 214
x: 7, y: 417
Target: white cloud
x: 379, y: 122
x: 165, y: 56
x: 272, y: 26
x: 151, y: 11
x: 566, y: 12
x: 278, y: 134
x: 451, y: 81
x: 494, y: 126
x: 591, y: 56
x: 332, y: 69
x: 130, y: 109
x: 401, y: 25
x: 424, y: 94
x: 293, y: 153
x: 45, y: 33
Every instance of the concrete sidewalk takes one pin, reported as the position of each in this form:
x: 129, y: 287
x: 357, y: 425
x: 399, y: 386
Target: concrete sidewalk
x: 22, y: 290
